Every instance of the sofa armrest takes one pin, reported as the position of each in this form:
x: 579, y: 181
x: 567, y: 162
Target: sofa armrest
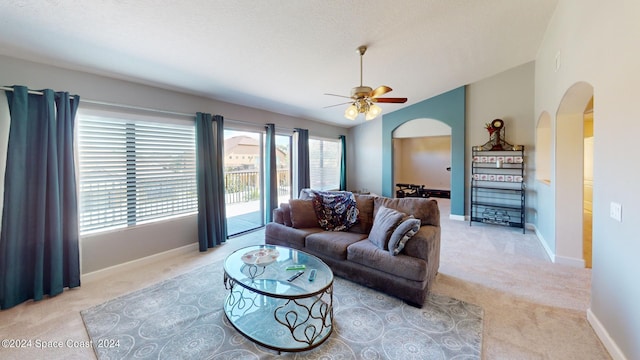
x: 282, y: 215
x: 425, y: 245
x: 278, y: 216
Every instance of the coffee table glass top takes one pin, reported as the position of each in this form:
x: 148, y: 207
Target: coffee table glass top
x: 264, y: 269
x: 271, y: 308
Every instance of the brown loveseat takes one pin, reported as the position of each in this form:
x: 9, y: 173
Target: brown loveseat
x: 352, y: 255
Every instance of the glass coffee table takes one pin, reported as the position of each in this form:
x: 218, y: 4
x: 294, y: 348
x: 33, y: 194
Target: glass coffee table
x: 269, y: 307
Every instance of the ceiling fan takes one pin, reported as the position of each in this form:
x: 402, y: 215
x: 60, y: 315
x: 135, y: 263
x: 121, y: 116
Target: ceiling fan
x: 363, y: 98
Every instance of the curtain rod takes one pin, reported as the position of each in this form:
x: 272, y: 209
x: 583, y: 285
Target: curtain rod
x: 33, y: 92
x: 168, y: 112
x: 104, y: 103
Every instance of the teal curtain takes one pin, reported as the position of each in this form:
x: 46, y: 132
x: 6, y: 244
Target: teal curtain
x: 303, y: 173
x: 271, y: 170
x: 212, y: 225
x: 39, y: 251
x: 343, y: 163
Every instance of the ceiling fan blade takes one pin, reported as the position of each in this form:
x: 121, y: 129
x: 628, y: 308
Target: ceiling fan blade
x: 348, y: 102
x: 348, y: 97
x: 390, y: 100
x: 380, y: 90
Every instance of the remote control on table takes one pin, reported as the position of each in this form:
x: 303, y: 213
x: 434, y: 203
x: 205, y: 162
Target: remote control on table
x: 312, y: 275
x: 298, y: 274
x: 296, y: 267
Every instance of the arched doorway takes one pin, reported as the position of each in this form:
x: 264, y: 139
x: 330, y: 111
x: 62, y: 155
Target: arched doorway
x: 422, y: 156
x: 448, y: 108
x: 570, y: 174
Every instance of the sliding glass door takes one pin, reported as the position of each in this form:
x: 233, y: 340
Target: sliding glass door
x: 244, y: 180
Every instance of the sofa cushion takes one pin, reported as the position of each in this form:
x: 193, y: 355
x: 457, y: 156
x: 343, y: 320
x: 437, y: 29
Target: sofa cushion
x: 421, y: 208
x: 335, y: 210
x: 279, y: 234
x: 384, y: 223
x: 332, y: 244
x: 302, y: 214
x: 364, y: 203
x: 403, y: 266
x: 405, y: 231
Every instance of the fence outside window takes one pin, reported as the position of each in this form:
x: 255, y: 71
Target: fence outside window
x: 244, y: 185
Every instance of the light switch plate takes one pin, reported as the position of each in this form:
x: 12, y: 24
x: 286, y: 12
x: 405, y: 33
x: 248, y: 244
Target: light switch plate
x: 615, y: 211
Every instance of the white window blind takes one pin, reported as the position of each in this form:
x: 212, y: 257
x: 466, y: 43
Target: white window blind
x: 324, y: 164
x: 134, y: 171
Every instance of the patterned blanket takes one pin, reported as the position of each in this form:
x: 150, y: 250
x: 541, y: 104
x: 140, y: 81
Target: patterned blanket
x: 336, y: 210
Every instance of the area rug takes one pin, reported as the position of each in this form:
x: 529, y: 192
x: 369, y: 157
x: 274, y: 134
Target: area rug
x: 182, y: 318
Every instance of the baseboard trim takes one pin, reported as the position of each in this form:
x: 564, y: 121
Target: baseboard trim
x: 569, y: 261
x: 457, y: 217
x: 111, y: 270
x: 543, y: 242
x: 603, y: 335
x: 562, y: 260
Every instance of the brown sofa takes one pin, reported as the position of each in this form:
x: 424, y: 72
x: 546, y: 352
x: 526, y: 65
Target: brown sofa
x: 352, y: 255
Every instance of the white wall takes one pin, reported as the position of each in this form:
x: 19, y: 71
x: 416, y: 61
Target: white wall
x: 568, y: 180
x: 594, y: 41
x: 507, y: 96
x: 111, y: 248
x: 364, y: 170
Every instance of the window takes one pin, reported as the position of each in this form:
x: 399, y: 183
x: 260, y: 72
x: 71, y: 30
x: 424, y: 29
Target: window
x: 324, y: 164
x: 134, y: 171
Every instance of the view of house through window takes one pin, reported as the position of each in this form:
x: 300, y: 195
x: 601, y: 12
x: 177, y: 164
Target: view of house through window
x: 324, y: 164
x: 244, y: 153
x: 243, y: 180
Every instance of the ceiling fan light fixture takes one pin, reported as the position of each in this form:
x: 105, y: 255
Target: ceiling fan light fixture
x: 364, y: 97
x: 374, y: 111
x: 351, y: 112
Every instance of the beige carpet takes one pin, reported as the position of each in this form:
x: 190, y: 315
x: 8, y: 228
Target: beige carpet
x: 532, y: 309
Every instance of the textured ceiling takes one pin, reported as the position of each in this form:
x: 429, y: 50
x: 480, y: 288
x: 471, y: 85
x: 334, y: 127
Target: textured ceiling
x: 280, y: 55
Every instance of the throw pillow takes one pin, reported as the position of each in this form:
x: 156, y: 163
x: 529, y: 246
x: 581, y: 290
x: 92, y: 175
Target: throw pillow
x: 364, y: 204
x: 302, y: 214
x: 405, y: 231
x: 384, y: 223
x: 335, y: 210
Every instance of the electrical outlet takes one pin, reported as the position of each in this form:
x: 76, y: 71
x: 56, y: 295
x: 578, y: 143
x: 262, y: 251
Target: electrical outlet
x: 615, y: 211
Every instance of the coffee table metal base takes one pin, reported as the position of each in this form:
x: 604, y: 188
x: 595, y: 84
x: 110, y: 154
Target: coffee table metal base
x: 279, y: 322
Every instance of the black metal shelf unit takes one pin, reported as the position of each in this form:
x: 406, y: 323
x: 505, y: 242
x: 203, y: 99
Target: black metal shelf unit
x: 497, y: 193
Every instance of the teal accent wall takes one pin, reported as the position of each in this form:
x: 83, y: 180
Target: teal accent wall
x: 448, y: 108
